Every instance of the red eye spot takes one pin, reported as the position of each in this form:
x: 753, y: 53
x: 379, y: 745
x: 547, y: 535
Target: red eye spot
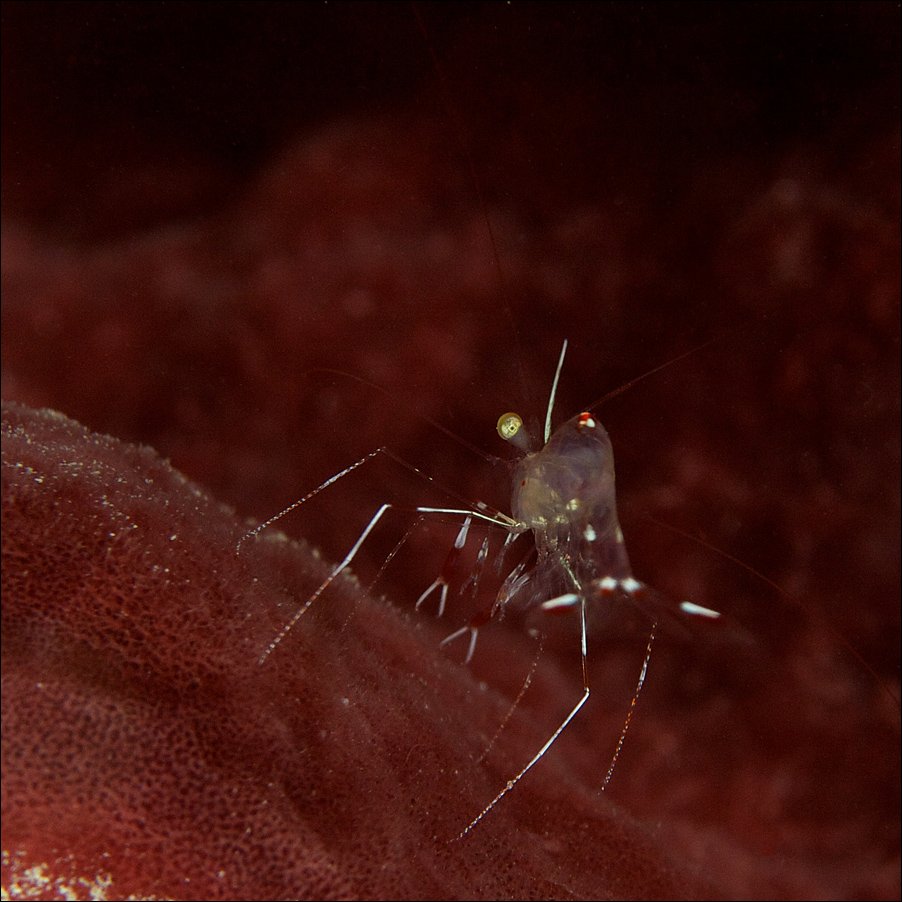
x: 586, y: 421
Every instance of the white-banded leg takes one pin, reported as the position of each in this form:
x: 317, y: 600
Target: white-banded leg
x: 393, y: 553
x: 471, y: 583
x: 323, y: 585
x: 652, y: 602
x: 514, y: 580
x: 629, y: 714
x: 581, y: 600
x: 443, y: 580
x: 384, y: 566
x: 295, y: 505
x: 650, y: 599
x: 349, y: 557
x: 476, y: 622
x: 512, y: 537
x: 658, y: 608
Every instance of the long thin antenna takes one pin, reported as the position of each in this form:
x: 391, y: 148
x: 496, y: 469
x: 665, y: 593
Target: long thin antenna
x: 557, y: 376
x: 662, y: 366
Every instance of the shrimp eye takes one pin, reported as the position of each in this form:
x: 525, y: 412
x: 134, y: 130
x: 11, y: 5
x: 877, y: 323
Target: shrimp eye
x: 509, y: 424
x: 510, y: 428
x: 585, y: 421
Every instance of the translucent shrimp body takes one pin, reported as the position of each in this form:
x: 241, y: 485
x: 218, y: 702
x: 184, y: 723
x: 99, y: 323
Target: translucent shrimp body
x: 565, y: 494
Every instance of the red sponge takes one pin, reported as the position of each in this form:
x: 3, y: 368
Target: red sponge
x: 146, y: 752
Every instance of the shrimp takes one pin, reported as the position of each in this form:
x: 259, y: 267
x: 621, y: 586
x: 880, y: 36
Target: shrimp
x: 564, y: 495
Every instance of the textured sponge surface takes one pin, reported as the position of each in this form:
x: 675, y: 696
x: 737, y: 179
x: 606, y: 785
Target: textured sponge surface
x: 146, y: 752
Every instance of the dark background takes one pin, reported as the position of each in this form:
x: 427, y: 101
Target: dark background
x: 92, y: 87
